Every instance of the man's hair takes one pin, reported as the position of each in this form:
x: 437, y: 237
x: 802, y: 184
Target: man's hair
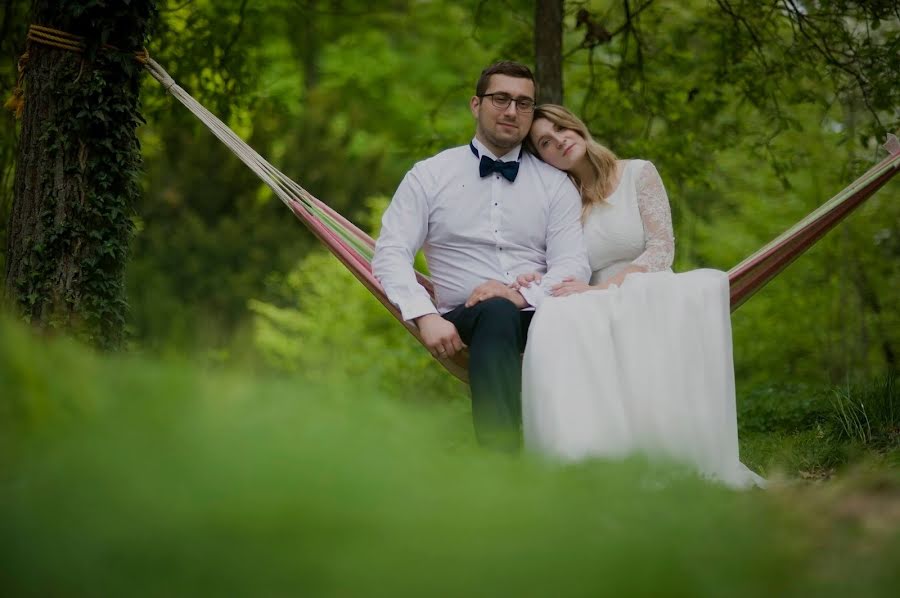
x: 504, y: 67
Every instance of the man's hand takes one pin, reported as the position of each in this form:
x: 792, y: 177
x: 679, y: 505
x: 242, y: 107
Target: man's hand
x: 439, y: 335
x: 525, y: 280
x: 495, y: 288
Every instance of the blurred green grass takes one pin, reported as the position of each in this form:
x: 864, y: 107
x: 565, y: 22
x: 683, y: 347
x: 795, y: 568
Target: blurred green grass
x: 125, y: 476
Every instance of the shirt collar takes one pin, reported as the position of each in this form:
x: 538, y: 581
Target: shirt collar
x: 512, y: 155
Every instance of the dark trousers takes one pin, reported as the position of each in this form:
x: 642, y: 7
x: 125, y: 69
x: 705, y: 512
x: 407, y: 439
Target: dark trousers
x: 495, y: 331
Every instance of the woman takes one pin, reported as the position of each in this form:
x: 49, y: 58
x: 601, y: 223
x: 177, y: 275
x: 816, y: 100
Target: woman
x: 639, y: 360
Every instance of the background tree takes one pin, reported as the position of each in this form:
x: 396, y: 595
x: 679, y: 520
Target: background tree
x: 548, y: 33
x: 13, y: 29
x: 77, y: 171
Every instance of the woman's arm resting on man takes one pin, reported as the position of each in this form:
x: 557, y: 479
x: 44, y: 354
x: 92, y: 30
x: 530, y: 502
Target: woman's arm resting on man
x: 659, y: 239
x: 566, y: 252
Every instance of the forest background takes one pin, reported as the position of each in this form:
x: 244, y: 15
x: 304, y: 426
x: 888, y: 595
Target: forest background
x: 751, y: 120
x: 268, y: 422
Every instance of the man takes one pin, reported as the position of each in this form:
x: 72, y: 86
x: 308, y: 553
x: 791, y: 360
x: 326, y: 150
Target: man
x: 483, y: 213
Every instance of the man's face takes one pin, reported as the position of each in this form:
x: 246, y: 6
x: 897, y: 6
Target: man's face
x: 503, y: 128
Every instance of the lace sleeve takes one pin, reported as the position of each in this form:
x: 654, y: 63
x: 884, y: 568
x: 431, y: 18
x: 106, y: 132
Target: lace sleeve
x: 653, y: 203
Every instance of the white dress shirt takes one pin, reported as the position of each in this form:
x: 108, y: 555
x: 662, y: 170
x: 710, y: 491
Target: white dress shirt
x: 474, y: 229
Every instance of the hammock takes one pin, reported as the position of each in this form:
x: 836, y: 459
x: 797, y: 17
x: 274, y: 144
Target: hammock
x: 354, y: 248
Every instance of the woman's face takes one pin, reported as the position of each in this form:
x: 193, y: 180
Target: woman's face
x: 557, y: 146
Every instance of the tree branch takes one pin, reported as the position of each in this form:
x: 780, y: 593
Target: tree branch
x: 630, y: 16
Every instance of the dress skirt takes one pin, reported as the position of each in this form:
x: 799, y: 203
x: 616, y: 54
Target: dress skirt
x: 642, y: 368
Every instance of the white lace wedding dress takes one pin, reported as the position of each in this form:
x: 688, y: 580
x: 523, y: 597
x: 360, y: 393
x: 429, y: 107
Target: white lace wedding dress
x: 641, y: 368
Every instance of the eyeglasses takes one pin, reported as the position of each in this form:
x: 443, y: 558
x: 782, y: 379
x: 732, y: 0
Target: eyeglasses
x: 502, y: 100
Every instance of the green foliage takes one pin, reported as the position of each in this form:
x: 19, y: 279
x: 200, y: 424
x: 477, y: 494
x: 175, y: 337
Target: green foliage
x: 342, y: 100
x: 869, y: 414
x: 749, y: 139
x: 236, y: 484
x: 796, y: 428
x: 332, y: 325
x: 782, y: 408
x: 747, y: 133
x: 808, y: 454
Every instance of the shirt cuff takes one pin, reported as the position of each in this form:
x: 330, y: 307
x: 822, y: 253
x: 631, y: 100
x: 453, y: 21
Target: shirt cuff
x: 415, y: 308
x: 534, y: 295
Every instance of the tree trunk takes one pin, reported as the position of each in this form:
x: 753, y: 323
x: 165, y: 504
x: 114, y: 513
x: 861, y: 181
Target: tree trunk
x: 548, y: 30
x: 76, y: 173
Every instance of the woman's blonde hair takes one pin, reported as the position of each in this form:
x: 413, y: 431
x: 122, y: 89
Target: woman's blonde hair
x: 601, y: 159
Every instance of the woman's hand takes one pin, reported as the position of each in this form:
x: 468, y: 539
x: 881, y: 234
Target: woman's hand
x: 619, y: 278
x: 570, y: 286
x: 526, y: 280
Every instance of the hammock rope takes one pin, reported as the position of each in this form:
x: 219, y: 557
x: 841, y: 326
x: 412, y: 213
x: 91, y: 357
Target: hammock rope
x: 355, y: 248
x: 755, y: 271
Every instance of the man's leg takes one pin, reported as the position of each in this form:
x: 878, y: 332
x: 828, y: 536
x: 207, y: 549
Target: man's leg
x: 495, y: 331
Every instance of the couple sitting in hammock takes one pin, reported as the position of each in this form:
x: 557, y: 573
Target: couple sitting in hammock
x: 535, y: 229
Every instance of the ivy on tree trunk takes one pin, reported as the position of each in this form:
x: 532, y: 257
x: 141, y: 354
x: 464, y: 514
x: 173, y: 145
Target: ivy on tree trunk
x: 77, y: 172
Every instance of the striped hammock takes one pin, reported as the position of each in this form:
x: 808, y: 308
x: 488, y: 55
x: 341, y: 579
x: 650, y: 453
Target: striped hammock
x: 354, y: 248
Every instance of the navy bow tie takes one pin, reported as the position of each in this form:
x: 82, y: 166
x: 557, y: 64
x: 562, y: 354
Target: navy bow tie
x: 509, y: 170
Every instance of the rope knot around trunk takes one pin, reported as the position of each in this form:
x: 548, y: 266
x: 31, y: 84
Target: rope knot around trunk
x: 61, y: 40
